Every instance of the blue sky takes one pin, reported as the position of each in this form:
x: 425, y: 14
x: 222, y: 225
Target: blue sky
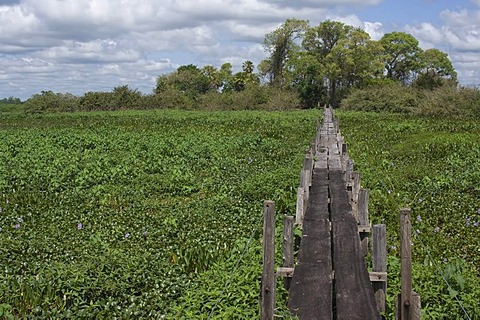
x: 78, y: 46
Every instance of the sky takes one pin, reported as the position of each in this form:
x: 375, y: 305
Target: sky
x: 77, y: 46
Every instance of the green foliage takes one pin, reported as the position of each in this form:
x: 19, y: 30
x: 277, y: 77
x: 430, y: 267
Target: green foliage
x: 49, y: 101
x: 140, y: 215
x: 281, y: 46
x: 429, y: 165
x: 443, y: 101
x: 10, y: 100
x: 386, y: 97
x: 402, y: 55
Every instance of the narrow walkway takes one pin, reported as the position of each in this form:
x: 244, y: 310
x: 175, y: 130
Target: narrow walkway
x: 331, y: 280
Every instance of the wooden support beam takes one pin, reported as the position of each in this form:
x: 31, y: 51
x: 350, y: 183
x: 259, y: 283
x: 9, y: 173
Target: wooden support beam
x: 268, y: 276
x: 406, y: 264
x: 378, y: 277
x: 285, y: 272
x: 379, y: 261
x: 287, y: 248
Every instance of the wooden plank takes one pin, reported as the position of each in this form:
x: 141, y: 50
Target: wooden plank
x: 378, y: 277
x: 310, y: 295
x: 285, y: 272
x: 353, y: 291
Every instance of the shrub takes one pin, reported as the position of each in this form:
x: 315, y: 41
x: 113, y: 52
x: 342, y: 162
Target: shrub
x: 392, y: 97
x: 451, y: 101
x: 50, y: 101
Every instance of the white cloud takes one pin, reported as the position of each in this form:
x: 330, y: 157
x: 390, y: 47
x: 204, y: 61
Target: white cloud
x: 459, y: 36
x: 92, y: 45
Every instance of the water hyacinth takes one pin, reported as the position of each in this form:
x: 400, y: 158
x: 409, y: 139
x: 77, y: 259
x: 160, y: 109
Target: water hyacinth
x: 127, y: 235
x: 419, y: 218
x: 478, y: 212
x: 19, y: 220
x: 17, y: 226
x: 437, y: 229
x: 79, y: 226
x: 475, y: 223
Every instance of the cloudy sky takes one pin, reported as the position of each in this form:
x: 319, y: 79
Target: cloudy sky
x: 77, y: 46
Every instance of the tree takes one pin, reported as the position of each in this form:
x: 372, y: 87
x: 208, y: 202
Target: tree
x: 226, y: 77
x: 11, y: 100
x: 307, y: 78
x: 436, y: 70
x: 347, y: 55
x: 213, y: 77
x: 188, y: 79
x: 402, y: 56
x: 281, y: 44
x: 245, y: 77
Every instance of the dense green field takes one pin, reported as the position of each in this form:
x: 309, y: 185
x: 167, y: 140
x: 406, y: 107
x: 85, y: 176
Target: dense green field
x: 433, y: 167
x: 119, y: 214
x: 158, y: 214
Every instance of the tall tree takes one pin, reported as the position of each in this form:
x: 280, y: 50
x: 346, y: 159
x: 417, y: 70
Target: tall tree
x: 245, y: 77
x: 321, y: 42
x: 188, y: 79
x: 402, y: 56
x: 280, y: 44
x: 226, y: 77
x: 436, y: 70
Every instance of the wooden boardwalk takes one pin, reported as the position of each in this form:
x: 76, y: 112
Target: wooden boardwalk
x: 331, y: 280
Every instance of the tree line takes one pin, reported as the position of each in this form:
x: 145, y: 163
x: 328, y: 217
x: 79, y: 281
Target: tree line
x: 305, y: 67
x: 322, y: 63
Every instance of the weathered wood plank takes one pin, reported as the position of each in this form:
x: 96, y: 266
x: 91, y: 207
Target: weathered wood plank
x: 310, y: 295
x: 353, y: 291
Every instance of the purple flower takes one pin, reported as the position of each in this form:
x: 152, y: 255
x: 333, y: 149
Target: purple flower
x: 79, y: 226
x: 127, y: 235
x: 475, y: 223
x: 17, y: 226
x: 478, y: 212
x: 467, y: 221
x: 19, y: 220
x: 419, y: 218
x: 436, y: 229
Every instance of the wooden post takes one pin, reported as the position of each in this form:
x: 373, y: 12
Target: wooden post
x: 406, y: 264
x: 287, y: 247
x: 348, y: 174
x: 379, y: 260
x: 416, y: 307
x: 268, y: 276
x: 363, y: 222
x: 300, y: 206
x: 305, y: 184
x: 355, y: 192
